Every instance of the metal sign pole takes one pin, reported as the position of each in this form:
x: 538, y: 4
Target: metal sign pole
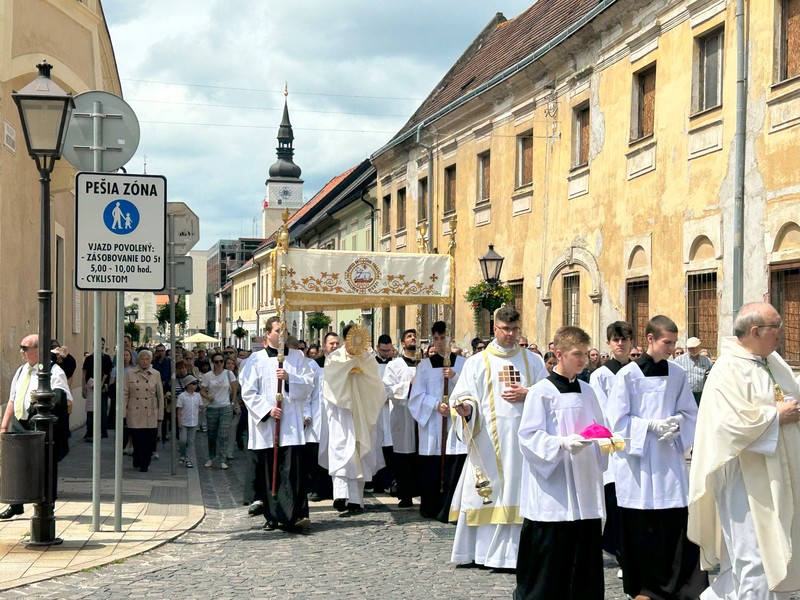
x: 120, y: 382
x: 172, y: 379
x: 97, y: 408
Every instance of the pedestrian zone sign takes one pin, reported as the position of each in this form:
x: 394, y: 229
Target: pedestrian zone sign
x: 120, y: 232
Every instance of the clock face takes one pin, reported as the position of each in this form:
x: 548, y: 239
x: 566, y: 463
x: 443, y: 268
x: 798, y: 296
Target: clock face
x: 285, y: 192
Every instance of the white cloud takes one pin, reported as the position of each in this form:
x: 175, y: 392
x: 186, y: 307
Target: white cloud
x: 345, y: 56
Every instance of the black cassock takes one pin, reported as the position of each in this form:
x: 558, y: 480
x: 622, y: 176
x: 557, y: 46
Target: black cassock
x: 291, y: 504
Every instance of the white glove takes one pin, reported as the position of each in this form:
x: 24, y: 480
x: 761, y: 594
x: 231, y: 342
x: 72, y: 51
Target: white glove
x: 662, y: 426
x: 668, y: 437
x: 573, y: 443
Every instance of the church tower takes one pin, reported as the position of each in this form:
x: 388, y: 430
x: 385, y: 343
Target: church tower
x: 284, y: 186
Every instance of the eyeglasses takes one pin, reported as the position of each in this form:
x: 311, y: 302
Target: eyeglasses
x: 507, y: 329
x: 772, y: 325
x: 218, y: 362
x: 480, y: 347
x: 634, y: 355
x: 26, y: 348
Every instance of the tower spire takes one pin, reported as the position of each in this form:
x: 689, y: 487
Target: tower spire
x: 284, y: 166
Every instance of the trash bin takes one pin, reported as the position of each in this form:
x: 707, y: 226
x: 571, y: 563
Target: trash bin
x: 22, y: 467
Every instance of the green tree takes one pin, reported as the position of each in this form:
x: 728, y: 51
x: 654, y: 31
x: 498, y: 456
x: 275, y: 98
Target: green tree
x: 133, y: 330
x: 318, y: 321
x: 181, y: 316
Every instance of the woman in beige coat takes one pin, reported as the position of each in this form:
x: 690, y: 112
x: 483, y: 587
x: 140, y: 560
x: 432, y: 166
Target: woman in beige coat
x: 143, y: 399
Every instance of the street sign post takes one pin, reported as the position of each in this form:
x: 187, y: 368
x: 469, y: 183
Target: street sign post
x: 187, y: 227
x: 120, y: 225
x: 184, y: 277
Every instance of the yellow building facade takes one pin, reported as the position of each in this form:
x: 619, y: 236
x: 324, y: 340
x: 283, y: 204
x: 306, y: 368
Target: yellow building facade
x: 600, y: 162
x: 74, y: 38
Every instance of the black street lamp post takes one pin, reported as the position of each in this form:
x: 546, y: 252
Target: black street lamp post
x: 491, y: 265
x: 44, y: 110
x: 132, y: 315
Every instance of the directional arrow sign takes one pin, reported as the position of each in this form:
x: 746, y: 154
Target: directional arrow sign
x: 187, y: 227
x: 119, y: 231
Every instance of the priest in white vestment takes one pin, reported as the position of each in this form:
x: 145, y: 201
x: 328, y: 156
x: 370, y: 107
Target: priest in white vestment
x: 744, y: 487
x: 489, y: 398
x: 353, y: 396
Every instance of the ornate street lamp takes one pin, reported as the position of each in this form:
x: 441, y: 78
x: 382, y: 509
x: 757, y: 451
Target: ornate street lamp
x: 239, y: 322
x: 44, y: 111
x: 132, y: 315
x: 491, y: 265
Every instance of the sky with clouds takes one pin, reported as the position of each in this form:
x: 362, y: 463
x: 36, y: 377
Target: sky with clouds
x: 206, y: 78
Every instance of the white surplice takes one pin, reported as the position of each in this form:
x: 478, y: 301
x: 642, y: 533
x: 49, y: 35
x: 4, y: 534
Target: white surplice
x: 557, y: 485
x: 397, y: 378
x: 259, y: 389
x: 650, y: 474
x: 489, y: 534
x: 423, y: 403
x: 744, y: 508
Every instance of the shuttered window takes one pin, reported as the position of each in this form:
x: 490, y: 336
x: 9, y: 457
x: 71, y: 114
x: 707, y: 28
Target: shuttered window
x: 484, y: 176
x: 525, y: 158
x: 422, y: 202
x: 450, y: 189
x: 790, y: 35
x: 386, y: 215
x: 646, y: 100
x: 401, y: 209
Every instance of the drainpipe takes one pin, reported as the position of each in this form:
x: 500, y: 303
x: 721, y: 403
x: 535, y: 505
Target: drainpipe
x: 739, y: 159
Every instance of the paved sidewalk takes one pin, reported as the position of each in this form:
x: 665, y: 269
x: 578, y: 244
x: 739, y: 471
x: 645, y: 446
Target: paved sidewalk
x: 156, y: 508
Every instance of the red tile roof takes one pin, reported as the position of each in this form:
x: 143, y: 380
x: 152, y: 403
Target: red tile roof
x: 502, y: 44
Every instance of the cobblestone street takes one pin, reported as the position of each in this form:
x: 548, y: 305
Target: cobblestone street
x: 384, y: 553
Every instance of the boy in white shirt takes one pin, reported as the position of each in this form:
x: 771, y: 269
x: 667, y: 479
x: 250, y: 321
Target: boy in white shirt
x: 189, y: 405
x: 560, y: 547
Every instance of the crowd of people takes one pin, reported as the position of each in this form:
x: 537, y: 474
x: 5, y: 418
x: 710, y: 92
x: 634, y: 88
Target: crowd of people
x: 542, y: 461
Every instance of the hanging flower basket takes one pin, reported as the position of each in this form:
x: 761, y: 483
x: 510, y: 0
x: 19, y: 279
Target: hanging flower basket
x: 488, y: 296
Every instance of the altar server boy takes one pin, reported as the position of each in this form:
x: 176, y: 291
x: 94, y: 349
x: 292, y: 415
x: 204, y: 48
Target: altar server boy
x: 560, y: 547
